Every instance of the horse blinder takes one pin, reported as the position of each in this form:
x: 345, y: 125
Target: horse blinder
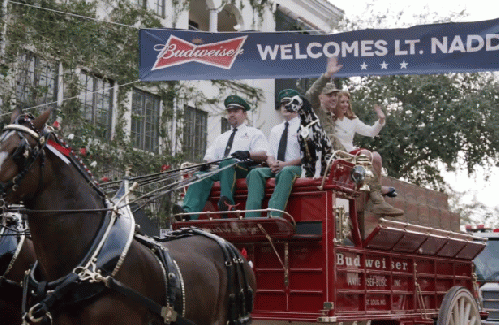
x: 21, y: 154
x: 24, y: 155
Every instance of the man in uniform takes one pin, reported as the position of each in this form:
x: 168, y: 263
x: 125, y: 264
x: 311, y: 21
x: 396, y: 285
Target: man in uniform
x: 283, y: 158
x: 322, y: 97
x: 242, y: 142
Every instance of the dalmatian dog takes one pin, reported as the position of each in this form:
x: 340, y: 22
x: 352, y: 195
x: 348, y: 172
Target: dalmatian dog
x: 315, y: 145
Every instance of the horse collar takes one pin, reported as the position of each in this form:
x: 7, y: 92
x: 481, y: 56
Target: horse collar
x: 104, y: 259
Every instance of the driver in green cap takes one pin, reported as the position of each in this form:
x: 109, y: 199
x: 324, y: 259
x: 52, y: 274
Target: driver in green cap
x: 283, y: 158
x: 243, y: 143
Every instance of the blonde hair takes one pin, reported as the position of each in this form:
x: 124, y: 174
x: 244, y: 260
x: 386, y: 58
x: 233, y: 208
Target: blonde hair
x: 349, y: 114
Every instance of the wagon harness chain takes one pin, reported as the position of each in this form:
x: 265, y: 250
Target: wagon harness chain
x: 283, y: 264
x: 424, y: 315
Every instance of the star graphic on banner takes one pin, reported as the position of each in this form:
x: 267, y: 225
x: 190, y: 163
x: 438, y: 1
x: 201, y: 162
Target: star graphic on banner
x: 384, y: 65
x: 363, y: 66
x: 403, y: 65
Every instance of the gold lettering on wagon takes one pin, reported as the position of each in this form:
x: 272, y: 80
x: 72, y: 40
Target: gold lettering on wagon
x: 375, y: 302
x: 376, y: 281
x: 233, y: 231
x: 371, y: 263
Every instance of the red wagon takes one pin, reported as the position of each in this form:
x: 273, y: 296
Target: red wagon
x: 320, y: 262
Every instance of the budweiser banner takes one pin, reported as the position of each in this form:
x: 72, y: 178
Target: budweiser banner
x: 167, y: 54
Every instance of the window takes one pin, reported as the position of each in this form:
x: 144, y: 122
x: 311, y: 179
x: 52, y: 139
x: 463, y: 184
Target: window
x: 195, y: 129
x: 225, y: 125
x: 96, y: 102
x: 159, y: 7
x: 36, y: 81
x: 145, y: 121
x: 193, y: 25
x: 141, y: 3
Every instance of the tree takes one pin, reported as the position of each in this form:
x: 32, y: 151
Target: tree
x: 432, y: 119
x: 474, y: 212
x: 51, y: 39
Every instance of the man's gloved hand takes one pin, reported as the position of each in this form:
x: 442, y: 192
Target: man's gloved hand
x: 204, y: 167
x: 241, y: 155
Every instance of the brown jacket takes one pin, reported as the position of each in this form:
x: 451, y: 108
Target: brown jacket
x: 326, y: 118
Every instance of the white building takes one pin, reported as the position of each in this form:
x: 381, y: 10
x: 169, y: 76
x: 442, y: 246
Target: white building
x: 267, y: 16
x: 201, y: 123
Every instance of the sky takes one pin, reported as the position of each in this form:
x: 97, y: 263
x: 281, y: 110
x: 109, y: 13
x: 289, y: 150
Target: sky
x: 477, y: 9
x: 477, y: 185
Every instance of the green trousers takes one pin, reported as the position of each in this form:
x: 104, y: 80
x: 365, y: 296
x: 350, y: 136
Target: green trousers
x: 256, y: 189
x: 198, y: 193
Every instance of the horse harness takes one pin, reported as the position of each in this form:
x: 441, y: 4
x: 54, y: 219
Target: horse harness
x: 95, y: 273
x: 11, y: 243
x: 240, y: 293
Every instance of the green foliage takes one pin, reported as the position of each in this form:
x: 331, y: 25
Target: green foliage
x: 110, y: 49
x: 431, y: 119
x: 71, y: 34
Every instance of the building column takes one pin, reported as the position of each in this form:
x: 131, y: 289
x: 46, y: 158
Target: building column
x: 213, y: 20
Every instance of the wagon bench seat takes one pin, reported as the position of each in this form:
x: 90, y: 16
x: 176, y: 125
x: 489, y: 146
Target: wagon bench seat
x: 337, y: 179
x: 301, y: 183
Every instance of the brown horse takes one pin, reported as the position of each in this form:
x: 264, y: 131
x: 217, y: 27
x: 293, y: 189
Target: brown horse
x: 16, y: 256
x: 67, y: 212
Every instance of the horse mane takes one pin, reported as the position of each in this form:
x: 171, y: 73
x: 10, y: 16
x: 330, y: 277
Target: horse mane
x: 64, y: 152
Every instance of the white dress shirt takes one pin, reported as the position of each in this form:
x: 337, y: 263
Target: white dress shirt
x: 247, y: 138
x: 346, y: 129
x: 293, y: 148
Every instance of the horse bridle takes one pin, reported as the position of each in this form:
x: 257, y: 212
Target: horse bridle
x: 25, y: 155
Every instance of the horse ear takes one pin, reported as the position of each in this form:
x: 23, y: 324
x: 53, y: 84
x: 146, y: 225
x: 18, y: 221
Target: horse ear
x: 40, y: 121
x: 15, y: 114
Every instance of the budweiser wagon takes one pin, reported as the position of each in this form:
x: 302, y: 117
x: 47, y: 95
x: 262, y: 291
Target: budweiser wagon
x: 328, y: 260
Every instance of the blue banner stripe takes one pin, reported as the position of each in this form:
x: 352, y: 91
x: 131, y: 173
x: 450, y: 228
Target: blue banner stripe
x: 167, y: 54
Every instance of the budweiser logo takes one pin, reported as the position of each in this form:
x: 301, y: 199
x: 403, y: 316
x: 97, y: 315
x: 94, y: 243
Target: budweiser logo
x: 177, y: 51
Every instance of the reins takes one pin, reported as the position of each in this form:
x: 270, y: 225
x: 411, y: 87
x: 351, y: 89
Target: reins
x: 173, y: 178
x: 176, y: 185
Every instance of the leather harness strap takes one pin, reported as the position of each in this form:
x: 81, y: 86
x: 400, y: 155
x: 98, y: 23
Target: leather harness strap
x: 240, y: 293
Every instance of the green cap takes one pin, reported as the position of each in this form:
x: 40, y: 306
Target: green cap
x: 287, y: 94
x: 236, y: 101
x: 330, y: 88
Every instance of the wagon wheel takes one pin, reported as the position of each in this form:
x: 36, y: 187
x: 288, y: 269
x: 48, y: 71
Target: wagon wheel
x: 458, y: 308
